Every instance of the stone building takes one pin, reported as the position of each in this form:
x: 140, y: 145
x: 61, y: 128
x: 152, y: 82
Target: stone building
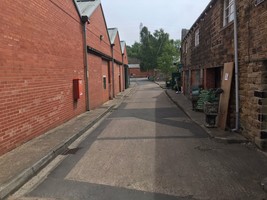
x: 210, y: 43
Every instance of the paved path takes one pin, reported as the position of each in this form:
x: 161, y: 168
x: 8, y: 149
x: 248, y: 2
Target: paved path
x: 148, y: 149
x: 20, y: 164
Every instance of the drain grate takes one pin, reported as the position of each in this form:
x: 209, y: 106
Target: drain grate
x: 71, y: 151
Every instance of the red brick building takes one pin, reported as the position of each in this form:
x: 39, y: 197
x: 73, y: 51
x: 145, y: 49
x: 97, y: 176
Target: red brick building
x: 209, y: 44
x: 125, y: 62
x: 99, y: 54
x: 117, y: 62
x: 42, y: 52
x: 135, y: 71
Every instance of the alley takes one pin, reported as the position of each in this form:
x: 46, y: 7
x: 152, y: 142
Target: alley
x: 148, y: 149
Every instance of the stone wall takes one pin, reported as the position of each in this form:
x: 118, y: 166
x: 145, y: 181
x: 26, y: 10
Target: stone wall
x: 217, y: 47
x: 252, y: 31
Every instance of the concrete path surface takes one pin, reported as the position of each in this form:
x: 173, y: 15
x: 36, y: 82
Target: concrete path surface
x: 145, y: 148
x: 199, y: 117
x: 22, y: 163
x: 149, y: 149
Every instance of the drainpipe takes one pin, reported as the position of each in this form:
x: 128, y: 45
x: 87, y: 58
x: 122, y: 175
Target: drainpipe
x: 123, y: 75
x: 113, y: 74
x: 85, y: 21
x: 236, y: 70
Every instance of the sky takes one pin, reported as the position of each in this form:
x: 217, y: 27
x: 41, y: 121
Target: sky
x: 172, y: 16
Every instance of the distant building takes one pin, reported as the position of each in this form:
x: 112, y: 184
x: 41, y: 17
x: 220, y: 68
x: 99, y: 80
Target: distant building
x: 135, y: 71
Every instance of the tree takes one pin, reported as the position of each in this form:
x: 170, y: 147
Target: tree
x: 177, y: 45
x: 156, y: 51
x: 147, y: 55
x: 167, y: 59
x: 134, y: 50
x: 161, y: 39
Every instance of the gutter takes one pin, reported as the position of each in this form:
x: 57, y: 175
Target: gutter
x: 236, y: 71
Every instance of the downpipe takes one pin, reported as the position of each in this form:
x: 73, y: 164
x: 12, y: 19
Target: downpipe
x: 236, y: 70
x: 84, y: 21
x: 113, y: 73
x: 86, y: 74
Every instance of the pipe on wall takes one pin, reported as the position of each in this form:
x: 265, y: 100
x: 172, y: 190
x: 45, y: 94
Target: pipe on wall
x: 85, y: 20
x: 113, y: 73
x: 236, y: 70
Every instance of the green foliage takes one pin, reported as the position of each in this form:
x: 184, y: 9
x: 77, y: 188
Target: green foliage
x: 156, y: 50
x: 165, y: 62
x: 147, y: 51
x: 134, y: 50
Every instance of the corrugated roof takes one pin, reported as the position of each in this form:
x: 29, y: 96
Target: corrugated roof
x: 112, y: 34
x: 123, y: 45
x: 86, y: 8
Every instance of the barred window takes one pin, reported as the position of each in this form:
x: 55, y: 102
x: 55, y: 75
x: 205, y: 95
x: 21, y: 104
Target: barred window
x: 228, y: 11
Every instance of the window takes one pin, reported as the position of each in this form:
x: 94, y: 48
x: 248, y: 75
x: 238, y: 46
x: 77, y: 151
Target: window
x: 228, y: 11
x: 104, y: 82
x: 185, y: 47
x: 197, y: 37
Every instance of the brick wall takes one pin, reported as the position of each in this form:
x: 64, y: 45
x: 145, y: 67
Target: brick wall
x: 97, y: 38
x: 252, y: 32
x: 105, y: 73
x: 125, y: 63
x: 41, y: 52
x: 95, y: 81
x: 137, y: 73
x: 215, y: 43
x: 118, y: 84
x: 122, y: 78
x: 116, y: 78
x: 95, y: 29
x: 125, y: 57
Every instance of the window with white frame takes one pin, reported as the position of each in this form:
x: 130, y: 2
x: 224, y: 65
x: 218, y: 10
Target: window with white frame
x: 197, y: 37
x: 228, y: 11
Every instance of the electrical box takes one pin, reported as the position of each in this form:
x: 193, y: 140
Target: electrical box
x: 77, y: 89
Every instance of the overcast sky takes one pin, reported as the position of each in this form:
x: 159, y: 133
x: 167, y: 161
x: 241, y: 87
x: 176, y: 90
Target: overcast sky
x: 172, y: 16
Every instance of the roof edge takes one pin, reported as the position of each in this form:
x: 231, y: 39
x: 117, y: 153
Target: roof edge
x: 208, y: 7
